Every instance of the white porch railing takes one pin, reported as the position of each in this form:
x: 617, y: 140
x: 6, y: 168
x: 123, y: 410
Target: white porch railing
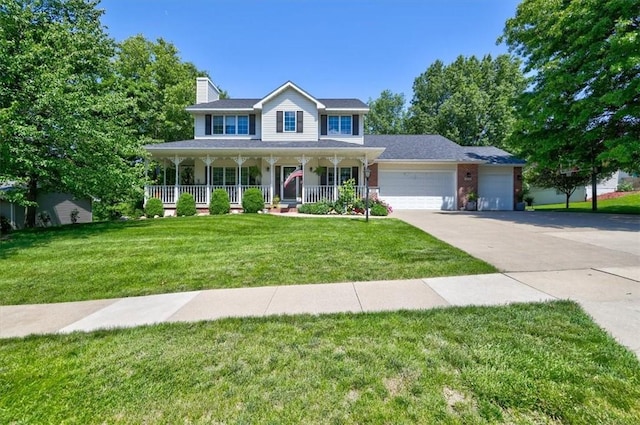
x: 318, y: 193
x: 169, y: 194
x: 202, y: 196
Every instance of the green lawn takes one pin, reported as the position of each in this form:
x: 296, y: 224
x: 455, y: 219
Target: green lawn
x: 629, y: 204
x: 107, y: 260
x: 529, y: 363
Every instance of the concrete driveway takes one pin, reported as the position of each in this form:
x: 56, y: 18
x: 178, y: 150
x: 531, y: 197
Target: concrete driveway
x: 593, y: 259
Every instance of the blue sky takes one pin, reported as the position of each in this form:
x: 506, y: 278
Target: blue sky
x: 330, y: 48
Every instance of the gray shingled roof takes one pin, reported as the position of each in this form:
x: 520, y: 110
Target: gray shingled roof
x: 226, y: 104
x: 436, y: 148
x: 248, y: 104
x: 343, y: 103
x: 491, y: 155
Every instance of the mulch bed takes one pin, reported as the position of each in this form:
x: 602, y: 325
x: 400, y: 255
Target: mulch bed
x: 615, y: 195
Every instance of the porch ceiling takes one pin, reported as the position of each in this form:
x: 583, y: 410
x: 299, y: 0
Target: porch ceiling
x: 228, y: 148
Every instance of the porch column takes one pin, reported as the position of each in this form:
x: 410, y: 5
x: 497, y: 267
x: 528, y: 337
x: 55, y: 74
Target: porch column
x: 239, y: 160
x: 335, y: 161
x: 207, y: 175
x: 365, y: 165
x: 146, y: 186
x: 272, y: 174
x: 176, y: 190
x: 303, y: 160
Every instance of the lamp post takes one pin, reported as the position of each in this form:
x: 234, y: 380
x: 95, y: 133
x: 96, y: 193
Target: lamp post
x: 367, y: 174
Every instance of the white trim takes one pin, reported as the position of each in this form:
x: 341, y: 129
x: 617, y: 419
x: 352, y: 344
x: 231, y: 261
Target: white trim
x: 282, y: 88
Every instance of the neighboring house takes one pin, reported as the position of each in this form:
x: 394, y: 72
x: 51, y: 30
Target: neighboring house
x: 57, y: 206
x: 611, y: 184
x: 244, y: 143
x: 544, y: 196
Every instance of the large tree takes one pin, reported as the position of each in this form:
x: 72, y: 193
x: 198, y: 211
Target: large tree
x: 583, y: 107
x: 470, y: 101
x: 63, y: 125
x: 386, y: 114
x: 161, y: 85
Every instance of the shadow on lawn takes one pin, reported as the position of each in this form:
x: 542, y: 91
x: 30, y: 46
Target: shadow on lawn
x: 29, y: 238
x: 564, y: 220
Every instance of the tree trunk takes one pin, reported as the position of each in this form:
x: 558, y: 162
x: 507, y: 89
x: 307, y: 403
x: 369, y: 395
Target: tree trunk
x: 567, y: 196
x: 32, y: 194
x: 594, y: 191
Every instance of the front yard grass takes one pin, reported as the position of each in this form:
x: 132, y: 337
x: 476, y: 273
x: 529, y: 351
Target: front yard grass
x: 629, y: 204
x: 528, y: 363
x: 121, y: 259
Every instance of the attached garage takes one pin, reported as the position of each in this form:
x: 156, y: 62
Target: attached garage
x: 495, y: 188
x: 418, y: 189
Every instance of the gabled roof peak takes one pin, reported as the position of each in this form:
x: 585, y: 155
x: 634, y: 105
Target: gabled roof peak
x: 286, y: 86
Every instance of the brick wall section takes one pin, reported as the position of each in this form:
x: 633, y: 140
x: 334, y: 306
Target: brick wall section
x: 517, y: 184
x: 373, y: 178
x: 466, y: 184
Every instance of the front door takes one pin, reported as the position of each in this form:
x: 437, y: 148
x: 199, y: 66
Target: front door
x: 290, y: 192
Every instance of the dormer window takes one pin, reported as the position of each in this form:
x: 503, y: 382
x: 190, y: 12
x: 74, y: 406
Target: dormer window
x: 289, y: 121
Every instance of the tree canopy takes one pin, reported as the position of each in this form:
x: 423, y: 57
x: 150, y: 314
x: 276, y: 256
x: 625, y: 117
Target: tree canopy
x: 63, y: 126
x: 161, y: 86
x: 470, y: 101
x: 582, y: 109
x: 386, y: 114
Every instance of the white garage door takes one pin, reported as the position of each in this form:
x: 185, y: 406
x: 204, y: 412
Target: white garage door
x: 418, y: 190
x: 495, y: 189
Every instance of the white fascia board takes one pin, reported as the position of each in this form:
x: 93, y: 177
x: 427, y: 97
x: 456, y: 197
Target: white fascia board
x: 365, y: 110
x: 284, y: 87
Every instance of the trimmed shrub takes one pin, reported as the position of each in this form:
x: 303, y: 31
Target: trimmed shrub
x: 220, y: 202
x: 319, y: 208
x: 154, y: 208
x: 252, y: 201
x: 186, y: 205
x: 379, y: 210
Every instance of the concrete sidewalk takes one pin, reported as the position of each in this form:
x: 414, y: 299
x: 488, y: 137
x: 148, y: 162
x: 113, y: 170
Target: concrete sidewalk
x: 612, y: 297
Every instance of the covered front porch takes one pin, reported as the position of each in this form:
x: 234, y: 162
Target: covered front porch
x: 291, y: 179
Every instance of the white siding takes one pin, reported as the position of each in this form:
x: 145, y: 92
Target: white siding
x: 542, y: 196
x: 290, y: 100
x: 205, y: 91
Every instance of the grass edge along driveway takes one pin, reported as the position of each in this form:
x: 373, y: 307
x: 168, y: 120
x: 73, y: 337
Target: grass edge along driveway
x: 122, y: 259
x: 523, y: 363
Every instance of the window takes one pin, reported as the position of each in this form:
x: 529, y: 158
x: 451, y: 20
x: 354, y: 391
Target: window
x: 218, y: 124
x: 289, y: 121
x: 228, y: 176
x: 243, y: 124
x: 339, y: 124
x: 344, y: 173
x: 230, y: 124
x: 345, y: 124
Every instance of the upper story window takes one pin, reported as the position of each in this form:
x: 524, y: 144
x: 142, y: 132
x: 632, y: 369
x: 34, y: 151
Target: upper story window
x: 343, y: 125
x: 229, y: 124
x: 339, y: 124
x: 289, y: 121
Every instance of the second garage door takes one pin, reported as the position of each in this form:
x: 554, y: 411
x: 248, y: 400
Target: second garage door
x: 495, y: 189
x: 418, y: 190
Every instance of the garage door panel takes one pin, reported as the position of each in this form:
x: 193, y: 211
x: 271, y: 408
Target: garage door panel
x: 418, y: 189
x: 495, y: 190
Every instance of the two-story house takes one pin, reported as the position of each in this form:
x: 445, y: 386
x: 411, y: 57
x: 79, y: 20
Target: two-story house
x: 300, y: 148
